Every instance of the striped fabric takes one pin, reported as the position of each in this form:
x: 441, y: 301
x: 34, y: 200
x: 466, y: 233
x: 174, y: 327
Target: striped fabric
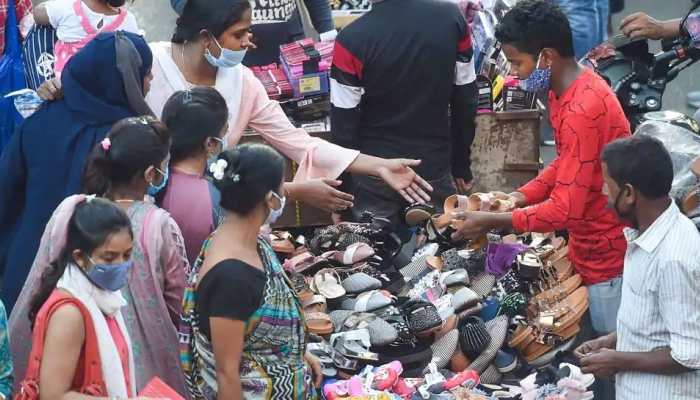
x: 272, y: 365
x: 661, y: 307
x: 38, y: 55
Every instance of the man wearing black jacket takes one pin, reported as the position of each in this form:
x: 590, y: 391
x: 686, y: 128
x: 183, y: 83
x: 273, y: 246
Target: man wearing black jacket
x: 403, y: 85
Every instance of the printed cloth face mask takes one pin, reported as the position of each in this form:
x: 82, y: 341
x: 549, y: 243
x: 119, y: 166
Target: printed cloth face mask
x: 539, y: 79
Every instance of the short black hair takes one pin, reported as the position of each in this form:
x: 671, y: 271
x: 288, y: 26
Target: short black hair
x: 192, y: 116
x: 214, y: 16
x: 532, y: 25
x: 252, y: 171
x: 641, y: 161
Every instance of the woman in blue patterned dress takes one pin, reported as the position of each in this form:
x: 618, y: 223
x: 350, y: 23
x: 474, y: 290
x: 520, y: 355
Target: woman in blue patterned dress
x: 243, y: 331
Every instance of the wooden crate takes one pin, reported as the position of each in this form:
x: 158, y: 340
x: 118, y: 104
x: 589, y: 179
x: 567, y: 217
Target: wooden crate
x: 506, y: 151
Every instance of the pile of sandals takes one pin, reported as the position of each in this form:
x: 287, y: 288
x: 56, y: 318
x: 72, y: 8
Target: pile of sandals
x: 492, y: 306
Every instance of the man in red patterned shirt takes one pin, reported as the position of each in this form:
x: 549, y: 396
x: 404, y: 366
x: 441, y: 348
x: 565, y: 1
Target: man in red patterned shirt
x: 23, y: 11
x: 567, y: 195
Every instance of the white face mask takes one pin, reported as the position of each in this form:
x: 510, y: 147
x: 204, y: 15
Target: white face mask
x: 274, y: 215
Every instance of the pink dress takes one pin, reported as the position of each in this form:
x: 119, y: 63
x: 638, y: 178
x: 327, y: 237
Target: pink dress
x: 249, y: 106
x: 63, y: 51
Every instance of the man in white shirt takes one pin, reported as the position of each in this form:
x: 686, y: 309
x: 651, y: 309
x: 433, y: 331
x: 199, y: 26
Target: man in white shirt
x: 655, y: 353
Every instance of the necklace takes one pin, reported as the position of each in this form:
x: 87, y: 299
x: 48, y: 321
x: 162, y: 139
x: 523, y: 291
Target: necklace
x: 124, y: 201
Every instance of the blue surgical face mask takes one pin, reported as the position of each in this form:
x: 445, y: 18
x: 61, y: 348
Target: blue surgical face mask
x: 227, y: 58
x: 110, y: 277
x: 539, y: 79
x: 153, y: 190
x: 274, y: 215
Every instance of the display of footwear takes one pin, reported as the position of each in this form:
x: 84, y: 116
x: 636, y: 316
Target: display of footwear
x: 505, y: 362
x: 443, y: 288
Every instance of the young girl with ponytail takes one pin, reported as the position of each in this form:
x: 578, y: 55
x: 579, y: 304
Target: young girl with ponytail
x: 80, y: 344
x: 131, y: 159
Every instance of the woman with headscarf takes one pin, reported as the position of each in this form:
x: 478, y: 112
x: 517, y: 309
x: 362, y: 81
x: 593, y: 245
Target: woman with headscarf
x: 44, y: 161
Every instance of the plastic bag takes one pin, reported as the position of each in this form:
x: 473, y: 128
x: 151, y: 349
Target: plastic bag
x: 684, y: 147
x: 26, y: 101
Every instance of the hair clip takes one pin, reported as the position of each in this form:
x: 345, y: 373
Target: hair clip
x: 106, y: 144
x: 187, y: 97
x: 144, y: 120
x: 89, y: 198
x: 236, y: 178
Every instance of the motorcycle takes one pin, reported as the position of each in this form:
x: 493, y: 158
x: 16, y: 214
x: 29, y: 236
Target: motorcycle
x: 639, y: 79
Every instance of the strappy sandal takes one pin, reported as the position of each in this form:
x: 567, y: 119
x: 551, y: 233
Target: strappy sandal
x: 367, y: 301
x: 282, y: 242
x: 480, y: 202
x: 327, y: 283
x: 354, y: 344
x: 352, y: 255
x: 565, y: 288
x: 305, y: 262
x: 565, y: 326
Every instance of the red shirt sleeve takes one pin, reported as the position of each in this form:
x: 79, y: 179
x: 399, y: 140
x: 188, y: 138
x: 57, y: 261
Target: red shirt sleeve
x: 538, y: 189
x: 573, y: 175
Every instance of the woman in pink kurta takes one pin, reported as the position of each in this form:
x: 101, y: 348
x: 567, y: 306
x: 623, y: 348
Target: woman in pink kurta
x: 209, y: 43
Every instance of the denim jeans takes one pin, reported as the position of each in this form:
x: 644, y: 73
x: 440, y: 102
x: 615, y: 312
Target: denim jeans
x: 604, y: 301
x: 589, y: 22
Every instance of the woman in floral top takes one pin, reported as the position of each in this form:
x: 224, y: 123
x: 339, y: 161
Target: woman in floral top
x: 5, y: 357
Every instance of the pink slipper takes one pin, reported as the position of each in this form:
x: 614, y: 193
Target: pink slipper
x: 355, y: 253
x: 387, y: 375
